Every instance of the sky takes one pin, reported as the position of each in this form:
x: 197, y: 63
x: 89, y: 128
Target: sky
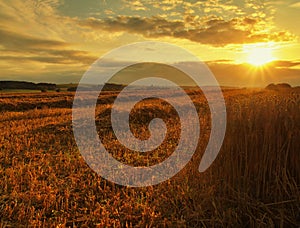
x: 244, y: 43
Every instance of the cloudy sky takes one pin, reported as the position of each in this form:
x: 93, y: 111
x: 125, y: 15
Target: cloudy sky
x: 245, y: 43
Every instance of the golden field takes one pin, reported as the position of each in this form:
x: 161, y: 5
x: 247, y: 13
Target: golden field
x: 254, y: 182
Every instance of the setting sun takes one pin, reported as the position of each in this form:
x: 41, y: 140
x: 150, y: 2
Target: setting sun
x: 258, y: 54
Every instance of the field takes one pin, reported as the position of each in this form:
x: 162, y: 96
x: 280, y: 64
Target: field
x: 254, y: 182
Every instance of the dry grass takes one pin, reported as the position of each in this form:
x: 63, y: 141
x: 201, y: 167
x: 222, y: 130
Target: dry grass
x: 255, y: 180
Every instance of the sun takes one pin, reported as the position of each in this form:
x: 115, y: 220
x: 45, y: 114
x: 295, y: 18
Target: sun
x: 258, y: 54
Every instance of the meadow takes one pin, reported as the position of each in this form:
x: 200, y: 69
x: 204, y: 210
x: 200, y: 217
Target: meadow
x: 254, y: 182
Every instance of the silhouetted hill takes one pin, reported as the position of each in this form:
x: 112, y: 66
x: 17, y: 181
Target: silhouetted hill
x: 26, y: 85
x: 106, y: 87
x: 278, y: 86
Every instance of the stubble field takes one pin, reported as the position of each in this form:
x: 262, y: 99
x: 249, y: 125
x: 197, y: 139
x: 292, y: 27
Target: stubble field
x: 255, y: 180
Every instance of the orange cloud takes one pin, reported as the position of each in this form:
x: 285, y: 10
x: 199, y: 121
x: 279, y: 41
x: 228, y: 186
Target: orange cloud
x: 246, y: 75
x: 17, y: 41
x: 215, y: 32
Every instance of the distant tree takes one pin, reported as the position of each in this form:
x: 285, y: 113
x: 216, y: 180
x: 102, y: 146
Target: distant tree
x: 72, y: 89
x: 43, y: 90
x: 57, y: 90
x: 48, y: 86
x: 26, y: 85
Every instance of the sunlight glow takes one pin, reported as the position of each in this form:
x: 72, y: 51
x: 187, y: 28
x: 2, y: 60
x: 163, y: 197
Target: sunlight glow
x: 259, y: 54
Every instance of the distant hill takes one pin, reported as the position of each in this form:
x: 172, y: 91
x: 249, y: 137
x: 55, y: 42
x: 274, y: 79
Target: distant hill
x: 279, y: 86
x: 26, y: 85
x: 106, y: 87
